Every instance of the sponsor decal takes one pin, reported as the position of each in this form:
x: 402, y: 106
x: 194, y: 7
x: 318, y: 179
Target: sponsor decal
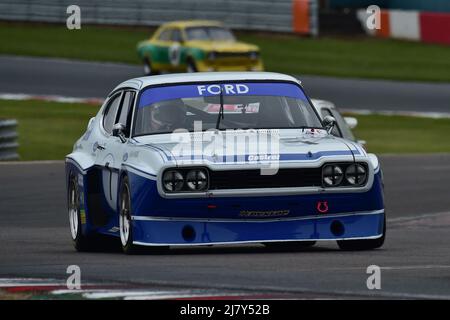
x: 175, y: 54
x: 82, y: 216
x: 228, y: 89
x: 322, y: 206
x: 157, y: 94
x: 263, y: 214
x: 114, y: 229
x: 264, y: 157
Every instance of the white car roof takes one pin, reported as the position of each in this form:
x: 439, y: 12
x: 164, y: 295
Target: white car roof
x: 139, y: 83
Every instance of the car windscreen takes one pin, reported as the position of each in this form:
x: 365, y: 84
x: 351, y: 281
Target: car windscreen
x: 209, y: 34
x: 249, y: 105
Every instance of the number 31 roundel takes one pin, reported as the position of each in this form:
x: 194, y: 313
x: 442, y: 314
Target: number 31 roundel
x: 174, y: 54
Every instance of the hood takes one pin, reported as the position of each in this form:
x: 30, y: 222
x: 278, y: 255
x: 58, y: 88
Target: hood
x: 227, y: 148
x: 223, y: 46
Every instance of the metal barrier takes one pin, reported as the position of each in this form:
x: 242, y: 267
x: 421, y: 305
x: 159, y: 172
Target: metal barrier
x: 274, y: 15
x: 8, y: 140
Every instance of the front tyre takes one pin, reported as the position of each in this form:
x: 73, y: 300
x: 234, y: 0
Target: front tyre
x: 125, y: 225
x: 191, y: 67
x: 148, y: 67
x: 369, y: 244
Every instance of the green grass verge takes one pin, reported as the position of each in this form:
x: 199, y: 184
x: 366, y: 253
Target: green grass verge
x: 398, y: 134
x: 342, y: 57
x: 48, y: 130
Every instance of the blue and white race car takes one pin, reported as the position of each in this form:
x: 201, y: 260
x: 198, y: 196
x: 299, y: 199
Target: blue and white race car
x: 220, y: 158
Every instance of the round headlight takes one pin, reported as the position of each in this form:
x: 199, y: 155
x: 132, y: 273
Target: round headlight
x: 356, y: 174
x: 197, y: 180
x: 332, y: 175
x: 173, y: 180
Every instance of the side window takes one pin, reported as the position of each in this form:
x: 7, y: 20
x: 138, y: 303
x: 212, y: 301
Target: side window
x: 127, y: 103
x: 326, y: 112
x: 165, y: 35
x: 176, y: 36
x: 109, y: 116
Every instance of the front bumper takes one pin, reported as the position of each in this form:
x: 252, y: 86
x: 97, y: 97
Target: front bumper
x: 154, y: 231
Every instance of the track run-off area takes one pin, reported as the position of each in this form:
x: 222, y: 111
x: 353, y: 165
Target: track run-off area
x: 82, y: 79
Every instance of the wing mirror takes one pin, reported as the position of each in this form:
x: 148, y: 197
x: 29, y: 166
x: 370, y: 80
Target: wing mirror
x: 329, y: 122
x: 351, y: 122
x: 119, y: 131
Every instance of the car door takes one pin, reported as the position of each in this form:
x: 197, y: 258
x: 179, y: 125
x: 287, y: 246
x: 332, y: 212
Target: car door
x: 105, y: 153
x: 111, y: 149
x: 161, y: 53
x: 116, y: 147
x: 175, y: 51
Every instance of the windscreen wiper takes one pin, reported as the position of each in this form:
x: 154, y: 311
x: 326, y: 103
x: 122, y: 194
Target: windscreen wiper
x: 221, y: 113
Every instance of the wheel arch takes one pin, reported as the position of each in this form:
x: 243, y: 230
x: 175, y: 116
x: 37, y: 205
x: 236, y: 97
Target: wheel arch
x: 123, y: 173
x: 195, y: 54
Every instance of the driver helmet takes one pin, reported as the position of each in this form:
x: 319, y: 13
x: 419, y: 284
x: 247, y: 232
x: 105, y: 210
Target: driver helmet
x: 168, y: 115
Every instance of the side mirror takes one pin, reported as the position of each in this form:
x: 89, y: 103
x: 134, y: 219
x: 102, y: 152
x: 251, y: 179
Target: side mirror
x: 351, y: 122
x: 328, y: 123
x: 119, y: 131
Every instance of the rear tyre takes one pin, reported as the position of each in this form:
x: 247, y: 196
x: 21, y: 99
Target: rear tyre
x: 80, y: 241
x: 290, y: 245
x: 369, y: 244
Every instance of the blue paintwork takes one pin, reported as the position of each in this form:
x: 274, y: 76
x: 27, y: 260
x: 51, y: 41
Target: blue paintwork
x: 170, y: 232
x: 146, y: 201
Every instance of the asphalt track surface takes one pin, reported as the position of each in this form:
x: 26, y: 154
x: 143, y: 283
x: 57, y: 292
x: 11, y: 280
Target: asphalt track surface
x: 414, y: 261
x: 44, y: 76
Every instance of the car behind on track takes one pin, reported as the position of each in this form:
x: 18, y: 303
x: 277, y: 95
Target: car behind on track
x: 197, y: 45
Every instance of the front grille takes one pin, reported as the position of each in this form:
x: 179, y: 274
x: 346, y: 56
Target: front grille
x: 221, y: 55
x: 246, y: 179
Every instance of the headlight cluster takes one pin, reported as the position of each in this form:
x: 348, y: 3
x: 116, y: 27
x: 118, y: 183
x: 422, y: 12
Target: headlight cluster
x: 185, y: 180
x: 350, y: 175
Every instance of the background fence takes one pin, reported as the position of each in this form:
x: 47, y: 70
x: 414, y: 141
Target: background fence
x: 272, y: 15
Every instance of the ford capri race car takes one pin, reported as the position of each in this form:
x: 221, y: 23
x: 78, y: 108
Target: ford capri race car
x: 220, y: 158
x: 191, y: 46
